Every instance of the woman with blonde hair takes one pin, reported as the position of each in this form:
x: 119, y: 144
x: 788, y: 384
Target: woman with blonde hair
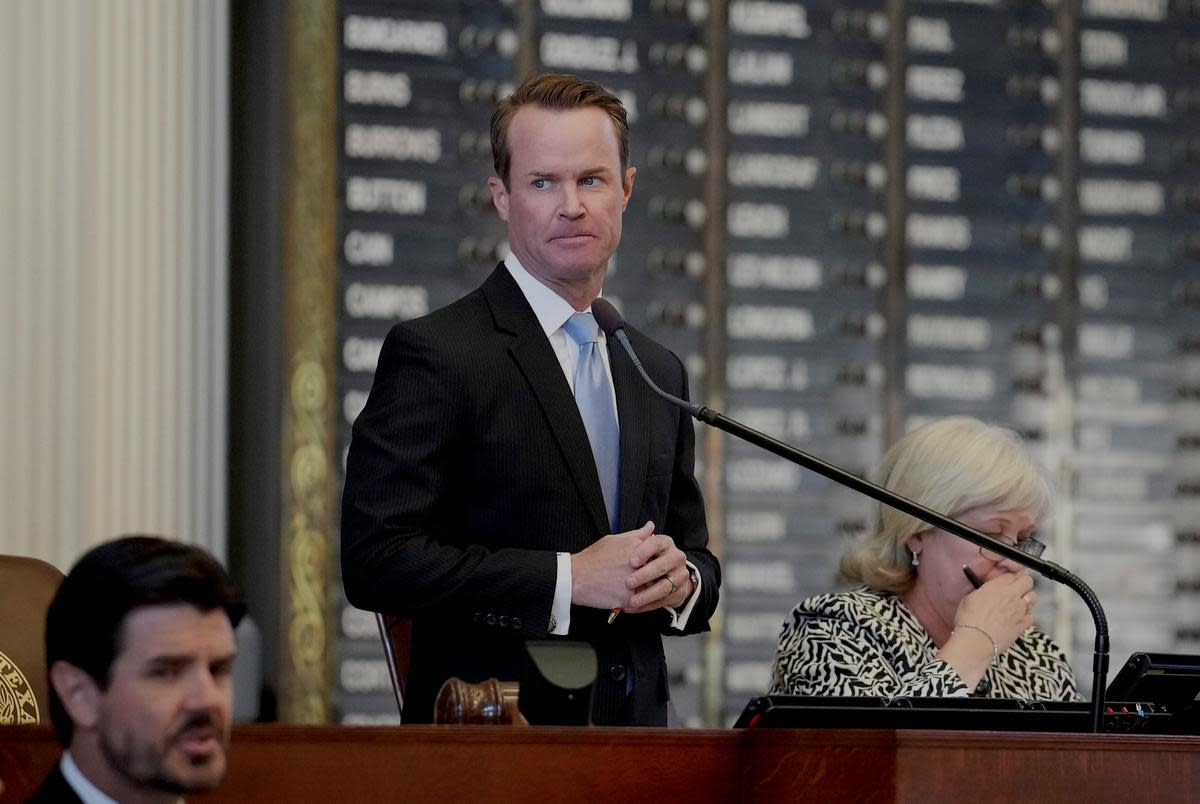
x: 932, y: 614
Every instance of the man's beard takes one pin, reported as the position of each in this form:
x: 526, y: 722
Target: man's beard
x: 144, y: 763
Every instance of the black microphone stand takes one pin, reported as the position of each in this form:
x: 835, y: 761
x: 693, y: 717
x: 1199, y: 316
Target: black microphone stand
x: 612, y: 324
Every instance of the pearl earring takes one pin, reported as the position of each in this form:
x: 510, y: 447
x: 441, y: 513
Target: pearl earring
x: 916, y: 559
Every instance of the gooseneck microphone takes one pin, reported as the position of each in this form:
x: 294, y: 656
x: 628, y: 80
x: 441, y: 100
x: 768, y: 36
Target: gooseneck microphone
x: 614, y: 327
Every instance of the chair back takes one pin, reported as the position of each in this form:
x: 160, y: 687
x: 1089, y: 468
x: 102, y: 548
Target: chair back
x: 396, y: 633
x: 27, y: 585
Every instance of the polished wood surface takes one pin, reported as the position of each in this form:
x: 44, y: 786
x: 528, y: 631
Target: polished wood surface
x: 513, y: 764
x: 964, y: 766
x: 441, y: 763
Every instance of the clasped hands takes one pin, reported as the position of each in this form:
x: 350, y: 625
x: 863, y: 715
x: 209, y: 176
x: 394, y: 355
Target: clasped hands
x: 635, y: 571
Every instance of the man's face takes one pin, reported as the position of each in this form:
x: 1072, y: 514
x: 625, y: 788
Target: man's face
x: 943, y: 555
x: 163, y: 722
x: 565, y: 194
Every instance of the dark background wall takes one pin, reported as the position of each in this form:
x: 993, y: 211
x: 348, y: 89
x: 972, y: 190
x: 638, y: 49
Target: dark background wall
x: 257, y: 53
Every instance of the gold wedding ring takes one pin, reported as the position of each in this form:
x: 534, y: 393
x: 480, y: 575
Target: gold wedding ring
x: 671, y: 581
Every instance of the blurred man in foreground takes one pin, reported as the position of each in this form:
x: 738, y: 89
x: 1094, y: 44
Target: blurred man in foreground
x: 140, y: 651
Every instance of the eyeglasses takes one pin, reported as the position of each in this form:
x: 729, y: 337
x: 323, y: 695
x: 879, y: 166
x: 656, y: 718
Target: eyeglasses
x: 1031, y: 547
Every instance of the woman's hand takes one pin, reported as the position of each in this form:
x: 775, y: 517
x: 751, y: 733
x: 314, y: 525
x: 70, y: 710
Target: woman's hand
x: 987, y: 622
x: 1002, y: 607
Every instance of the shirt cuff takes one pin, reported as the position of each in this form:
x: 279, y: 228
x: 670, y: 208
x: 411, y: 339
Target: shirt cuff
x: 560, y: 610
x: 679, y: 617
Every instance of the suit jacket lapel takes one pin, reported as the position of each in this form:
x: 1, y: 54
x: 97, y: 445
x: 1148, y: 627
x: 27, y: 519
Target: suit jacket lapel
x: 536, y: 360
x: 633, y: 411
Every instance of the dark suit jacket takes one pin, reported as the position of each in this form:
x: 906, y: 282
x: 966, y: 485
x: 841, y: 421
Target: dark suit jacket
x: 469, y: 467
x: 54, y: 790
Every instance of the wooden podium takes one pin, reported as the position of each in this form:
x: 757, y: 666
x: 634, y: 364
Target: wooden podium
x: 347, y: 765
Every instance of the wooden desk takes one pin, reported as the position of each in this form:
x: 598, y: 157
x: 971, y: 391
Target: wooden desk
x: 346, y: 765
x: 963, y: 766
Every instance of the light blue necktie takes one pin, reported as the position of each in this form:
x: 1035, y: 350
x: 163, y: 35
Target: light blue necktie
x: 594, y: 397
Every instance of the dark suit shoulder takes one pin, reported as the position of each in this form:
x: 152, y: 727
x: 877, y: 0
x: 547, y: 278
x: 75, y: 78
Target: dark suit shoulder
x: 659, y: 361
x: 469, y: 311
x: 54, y: 790
x: 644, y: 342
x: 471, y: 324
x: 439, y: 339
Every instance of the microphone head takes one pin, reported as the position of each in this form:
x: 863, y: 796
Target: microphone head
x: 607, y: 316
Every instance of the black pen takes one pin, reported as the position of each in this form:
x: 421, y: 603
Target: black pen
x: 972, y: 577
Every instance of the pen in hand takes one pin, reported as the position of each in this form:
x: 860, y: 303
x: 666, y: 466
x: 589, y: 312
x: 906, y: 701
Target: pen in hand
x: 971, y: 576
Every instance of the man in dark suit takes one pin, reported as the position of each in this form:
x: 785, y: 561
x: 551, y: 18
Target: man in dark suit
x: 484, y: 498
x: 140, y: 651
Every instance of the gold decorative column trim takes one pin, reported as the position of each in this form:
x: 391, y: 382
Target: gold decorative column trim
x: 309, y: 264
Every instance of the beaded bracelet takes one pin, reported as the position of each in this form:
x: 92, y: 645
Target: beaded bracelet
x: 995, y: 653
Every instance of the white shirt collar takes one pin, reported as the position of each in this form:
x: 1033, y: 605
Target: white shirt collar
x: 552, y: 310
x: 88, y: 793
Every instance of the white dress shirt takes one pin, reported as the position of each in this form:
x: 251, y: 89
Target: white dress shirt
x: 88, y: 793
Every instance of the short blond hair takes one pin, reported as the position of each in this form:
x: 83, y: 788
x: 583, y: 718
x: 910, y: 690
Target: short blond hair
x: 950, y: 465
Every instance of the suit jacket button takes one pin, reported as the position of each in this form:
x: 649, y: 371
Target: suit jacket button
x: 617, y: 672
x: 504, y: 621
x: 478, y: 617
x: 491, y: 619
x: 516, y: 622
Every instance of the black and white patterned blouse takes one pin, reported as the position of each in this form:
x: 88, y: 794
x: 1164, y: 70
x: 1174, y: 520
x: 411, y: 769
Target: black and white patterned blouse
x: 865, y: 642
